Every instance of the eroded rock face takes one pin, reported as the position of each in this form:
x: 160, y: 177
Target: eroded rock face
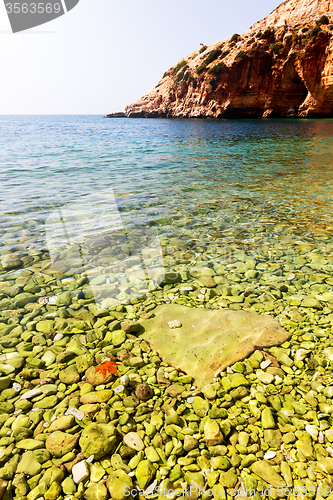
x: 281, y: 66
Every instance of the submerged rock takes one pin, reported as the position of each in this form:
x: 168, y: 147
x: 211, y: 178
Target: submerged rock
x: 209, y: 341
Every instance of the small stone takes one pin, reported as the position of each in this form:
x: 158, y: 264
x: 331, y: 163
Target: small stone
x: 269, y: 454
x: 213, y: 434
x: 152, y: 454
x: 76, y: 413
x: 118, y: 337
x: 57, y: 337
x: 144, y: 392
x: 29, y: 465
x: 238, y: 379
x: 175, y: 324
x: 53, y: 492
x: 119, y: 484
x: 266, y: 472
x: 265, y: 364
x: 145, y: 473
x: 29, y: 444
x: 32, y: 393
x: 264, y: 377
x: 209, y: 391
x: 96, y: 492
x: 59, y: 443
x: 190, y: 443
x: 80, y: 471
x: 62, y: 423
x: 68, y: 486
x: 98, y: 440
x: 124, y: 380
x: 267, y: 419
x: 133, y: 440
x: 69, y: 375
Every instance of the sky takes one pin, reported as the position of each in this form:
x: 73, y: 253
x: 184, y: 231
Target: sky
x: 105, y: 54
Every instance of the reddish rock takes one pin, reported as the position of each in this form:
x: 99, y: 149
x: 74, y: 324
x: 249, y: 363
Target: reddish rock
x: 281, y: 66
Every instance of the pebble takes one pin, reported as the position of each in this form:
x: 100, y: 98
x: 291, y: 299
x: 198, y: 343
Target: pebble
x: 174, y: 324
x: 32, y: 393
x: 80, y: 471
x: 269, y: 454
x: 75, y: 412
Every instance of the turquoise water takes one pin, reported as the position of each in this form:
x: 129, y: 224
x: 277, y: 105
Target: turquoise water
x: 218, y: 183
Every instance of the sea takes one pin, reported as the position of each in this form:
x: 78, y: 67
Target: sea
x: 211, y: 191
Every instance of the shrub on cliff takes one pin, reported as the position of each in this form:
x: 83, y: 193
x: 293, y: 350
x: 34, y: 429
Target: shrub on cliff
x: 277, y: 48
x: 217, y: 68
x: 235, y: 37
x: 268, y: 33
x: 323, y: 20
x: 240, y: 55
x: 203, y: 48
x: 181, y: 74
x: 214, y: 54
x: 312, y: 33
x: 179, y: 66
x: 224, y: 54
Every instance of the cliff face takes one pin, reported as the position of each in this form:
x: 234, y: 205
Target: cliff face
x: 281, y: 66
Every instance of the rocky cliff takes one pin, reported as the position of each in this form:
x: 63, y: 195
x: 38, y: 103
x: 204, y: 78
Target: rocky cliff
x: 281, y: 66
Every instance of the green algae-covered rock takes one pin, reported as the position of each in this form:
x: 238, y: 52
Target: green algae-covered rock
x: 145, y: 473
x: 97, y: 492
x: 59, y: 443
x: 213, y: 434
x: 195, y: 479
x: 200, y: 406
x: 209, y: 341
x: 98, y: 440
x: 267, y: 419
x: 62, y: 424
x: 53, y: 492
x: 69, y: 375
x: 119, y: 484
x: 29, y: 465
x: 266, y: 472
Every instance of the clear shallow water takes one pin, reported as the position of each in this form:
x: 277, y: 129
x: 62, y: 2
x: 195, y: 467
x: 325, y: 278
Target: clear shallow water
x: 221, y: 183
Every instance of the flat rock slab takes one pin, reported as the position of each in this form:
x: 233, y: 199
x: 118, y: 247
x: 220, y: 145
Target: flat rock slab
x: 209, y: 341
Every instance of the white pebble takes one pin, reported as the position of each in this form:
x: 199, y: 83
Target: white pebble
x: 300, y: 354
x: 17, y: 387
x: 291, y: 276
x: 265, y: 364
x: 119, y: 388
x: 166, y: 375
x: 17, y: 412
x: 151, y: 488
x: 90, y: 459
x: 190, y: 400
x: 124, y: 380
x: 57, y: 337
x: 76, y: 413
x: 32, y: 393
x: 174, y: 324
x: 269, y: 455
x: 80, y: 471
x: 321, y: 437
x: 52, y: 300
x: 185, y: 288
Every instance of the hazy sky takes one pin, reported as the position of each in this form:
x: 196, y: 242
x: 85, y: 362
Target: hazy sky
x: 105, y: 54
